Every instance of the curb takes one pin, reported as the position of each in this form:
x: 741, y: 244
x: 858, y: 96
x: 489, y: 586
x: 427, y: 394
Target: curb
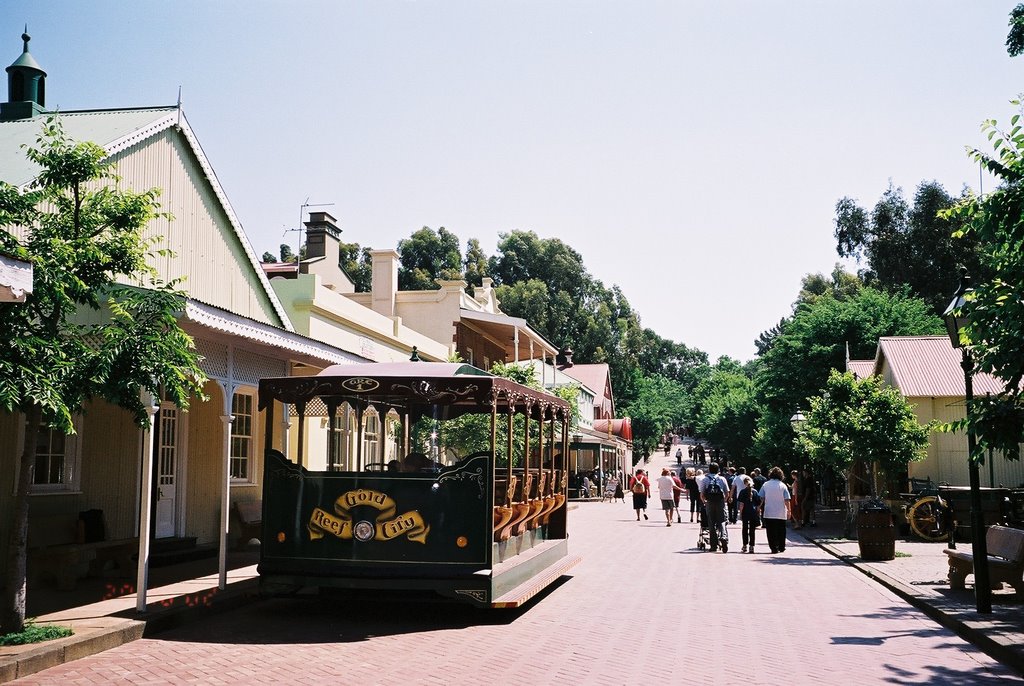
x: 1004, y: 650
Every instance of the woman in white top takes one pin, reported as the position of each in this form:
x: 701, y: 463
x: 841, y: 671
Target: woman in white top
x: 775, y: 509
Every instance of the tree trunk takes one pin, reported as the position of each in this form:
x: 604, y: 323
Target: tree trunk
x: 12, y: 618
x: 851, y: 515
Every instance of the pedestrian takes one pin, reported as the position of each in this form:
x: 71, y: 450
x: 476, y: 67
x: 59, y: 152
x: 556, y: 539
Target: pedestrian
x: 808, y: 496
x: 714, y: 493
x: 640, y: 487
x: 738, y: 484
x: 619, y: 493
x: 730, y: 478
x: 692, y: 492
x: 775, y: 510
x: 678, y: 491
x: 679, y: 455
x: 749, y: 511
x: 794, y: 497
x: 758, y: 478
x: 666, y: 493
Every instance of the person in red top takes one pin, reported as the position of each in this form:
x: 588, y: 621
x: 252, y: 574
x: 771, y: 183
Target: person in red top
x: 640, y: 486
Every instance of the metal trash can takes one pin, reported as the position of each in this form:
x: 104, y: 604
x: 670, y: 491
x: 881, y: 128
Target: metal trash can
x: 876, y: 534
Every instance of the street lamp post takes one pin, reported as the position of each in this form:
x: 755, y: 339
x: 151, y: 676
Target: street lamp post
x: 955, y: 321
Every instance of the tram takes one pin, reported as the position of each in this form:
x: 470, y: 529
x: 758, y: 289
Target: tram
x: 471, y: 504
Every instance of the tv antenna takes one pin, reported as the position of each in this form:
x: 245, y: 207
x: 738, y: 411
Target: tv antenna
x: 302, y: 212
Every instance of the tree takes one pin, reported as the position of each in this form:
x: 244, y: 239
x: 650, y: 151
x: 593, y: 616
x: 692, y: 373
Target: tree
x: 906, y: 245
x: 861, y: 421
x: 268, y: 257
x: 724, y: 410
x: 1015, y: 38
x: 357, y: 263
x: 655, y: 410
x: 474, y: 264
x: 995, y: 307
x: 82, y: 235
x: 814, y: 342
x: 286, y: 252
x: 426, y: 256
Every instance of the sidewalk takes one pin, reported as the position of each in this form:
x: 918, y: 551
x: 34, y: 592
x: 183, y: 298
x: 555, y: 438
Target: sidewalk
x: 108, y: 623
x: 918, y: 574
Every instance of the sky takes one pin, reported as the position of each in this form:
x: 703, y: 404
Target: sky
x: 691, y: 152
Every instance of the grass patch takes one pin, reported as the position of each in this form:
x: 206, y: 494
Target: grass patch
x: 902, y: 554
x: 33, y: 633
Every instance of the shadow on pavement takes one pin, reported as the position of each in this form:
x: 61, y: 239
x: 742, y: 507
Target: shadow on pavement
x: 345, y: 617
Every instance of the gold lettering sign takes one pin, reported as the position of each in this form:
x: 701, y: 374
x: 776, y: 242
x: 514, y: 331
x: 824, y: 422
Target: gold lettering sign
x: 386, y: 526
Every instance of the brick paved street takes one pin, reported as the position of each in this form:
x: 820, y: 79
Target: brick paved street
x: 644, y: 605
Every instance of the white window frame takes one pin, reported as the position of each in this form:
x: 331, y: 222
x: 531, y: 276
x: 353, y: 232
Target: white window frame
x: 247, y: 439
x: 372, y: 439
x: 72, y: 481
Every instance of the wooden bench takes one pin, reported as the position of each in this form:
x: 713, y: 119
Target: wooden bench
x: 58, y: 549
x: 250, y: 518
x: 1005, y: 560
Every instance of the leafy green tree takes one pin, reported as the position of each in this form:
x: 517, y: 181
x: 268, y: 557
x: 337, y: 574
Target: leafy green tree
x: 724, y: 409
x: 906, y: 245
x: 655, y: 410
x: 861, y: 421
x: 358, y: 264
x: 474, y: 264
x: 814, y: 342
x: 426, y: 256
x: 82, y: 234
x: 995, y: 307
x: 286, y: 253
x: 268, y: 257
x: 1015, y: 38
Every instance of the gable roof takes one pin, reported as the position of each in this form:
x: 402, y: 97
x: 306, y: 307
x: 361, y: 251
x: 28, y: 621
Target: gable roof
x: 115, y: 130
x: 928, y: 366
x: 598, y: 378
x: 861, y: 369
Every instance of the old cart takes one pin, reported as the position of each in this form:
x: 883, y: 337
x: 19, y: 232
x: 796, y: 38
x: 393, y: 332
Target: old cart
x: 417, y: 490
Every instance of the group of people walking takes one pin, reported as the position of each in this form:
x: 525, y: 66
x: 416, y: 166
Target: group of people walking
x: 718, y: 499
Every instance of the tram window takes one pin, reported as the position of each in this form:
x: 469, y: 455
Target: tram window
x: 371, y: 436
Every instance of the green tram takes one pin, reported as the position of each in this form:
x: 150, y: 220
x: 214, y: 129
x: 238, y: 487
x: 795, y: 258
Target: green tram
x: 448, y: 513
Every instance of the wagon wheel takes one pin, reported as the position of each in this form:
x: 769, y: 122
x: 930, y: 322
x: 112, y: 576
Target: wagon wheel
x: 926, y: 521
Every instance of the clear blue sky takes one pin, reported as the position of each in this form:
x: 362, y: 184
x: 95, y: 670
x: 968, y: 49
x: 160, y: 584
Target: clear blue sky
x: 692, y: 152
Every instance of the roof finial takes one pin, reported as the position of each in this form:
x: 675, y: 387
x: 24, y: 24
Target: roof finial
x: 25, y: 37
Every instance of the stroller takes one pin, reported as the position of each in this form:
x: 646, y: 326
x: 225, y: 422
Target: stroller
x: 704, y: 536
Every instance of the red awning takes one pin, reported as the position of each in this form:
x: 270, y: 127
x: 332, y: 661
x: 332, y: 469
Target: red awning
x: 615, y: 427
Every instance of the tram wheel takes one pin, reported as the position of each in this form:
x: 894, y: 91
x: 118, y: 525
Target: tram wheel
x: 926, y: 521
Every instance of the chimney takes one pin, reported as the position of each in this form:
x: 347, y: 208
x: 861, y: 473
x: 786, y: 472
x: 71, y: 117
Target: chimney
x: 322, y: 237
x: 26, y: 87
x: 567, y: 357
x: 384, y: 281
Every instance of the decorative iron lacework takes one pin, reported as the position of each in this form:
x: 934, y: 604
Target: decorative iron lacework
x: 215, y: 358
x: 250, y: 367
x: 315, y: 407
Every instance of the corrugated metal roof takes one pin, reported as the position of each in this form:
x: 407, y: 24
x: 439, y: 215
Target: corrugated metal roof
x: 103, y: 127
x: 226, y: 322
x: 929, y: 367
x: 596, y: 376
x: 114, y: 130
x: 861, y: 369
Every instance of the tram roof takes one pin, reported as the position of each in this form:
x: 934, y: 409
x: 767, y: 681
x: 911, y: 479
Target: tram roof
x: 421, y: 383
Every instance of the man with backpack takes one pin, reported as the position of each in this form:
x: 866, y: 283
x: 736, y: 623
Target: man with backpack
x: 714, y: 493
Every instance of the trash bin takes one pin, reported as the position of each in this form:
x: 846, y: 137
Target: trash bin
x: 876, y: 534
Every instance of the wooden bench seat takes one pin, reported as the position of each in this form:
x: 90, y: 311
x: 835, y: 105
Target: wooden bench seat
x: 1005, y: 560
x: 250, y: 518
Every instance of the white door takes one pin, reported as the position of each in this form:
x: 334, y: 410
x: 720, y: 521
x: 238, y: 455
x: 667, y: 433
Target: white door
x: 166, y: 454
